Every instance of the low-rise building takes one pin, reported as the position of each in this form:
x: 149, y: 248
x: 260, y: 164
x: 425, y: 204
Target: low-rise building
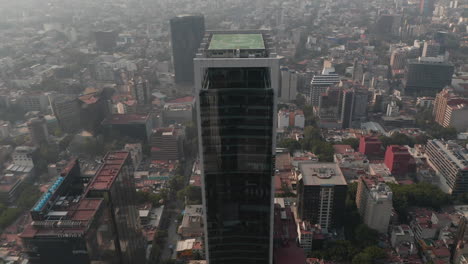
x: 179, y: 111
x: 401, y: 234
x: 192, y: 222
x: 189, y: 248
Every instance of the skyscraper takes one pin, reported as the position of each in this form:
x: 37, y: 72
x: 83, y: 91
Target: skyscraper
x: 426, y: 7
x: 38, y: 129
x: 237, y: 80
x: 186, y: 34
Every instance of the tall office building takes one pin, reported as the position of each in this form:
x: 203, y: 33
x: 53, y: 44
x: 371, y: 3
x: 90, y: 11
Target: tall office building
x: 321, y: 194
x: 426, y: 7
x: 427, y: 76
x: 348, y: 97
x: 289, y: 82
x: 237, y: 80
x: 38, y: 130
x: 450, y: 161
x: 187, y: 31
x: 106, y: 40
x: 114, y: 183
x: 320, y: 84
x: 82, y: 224
x: 68, y: 227
x: 431, y: 49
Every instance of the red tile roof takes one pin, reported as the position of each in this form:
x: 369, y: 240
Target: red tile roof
x: 183, y: 100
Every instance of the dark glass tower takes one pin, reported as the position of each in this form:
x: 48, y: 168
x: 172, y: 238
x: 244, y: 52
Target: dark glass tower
x: 237, y: 105
x: 187, y: 31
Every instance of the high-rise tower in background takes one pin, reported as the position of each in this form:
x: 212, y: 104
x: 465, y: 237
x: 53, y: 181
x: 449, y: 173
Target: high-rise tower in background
x: 426, y: 7
x: 186, y: 32
x: 237, y: 80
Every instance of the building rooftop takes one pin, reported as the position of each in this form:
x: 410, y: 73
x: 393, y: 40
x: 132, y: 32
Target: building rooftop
x: 456, y: 153
x: 236, y: 41
x: 126, y: 119
x: 105, y: 177
x: 71, y: 221
x: 321, y: 174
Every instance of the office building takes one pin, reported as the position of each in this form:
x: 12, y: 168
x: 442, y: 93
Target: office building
x: 426, y: 7
x: 94, y: 223
x: 106, y: 40
x: 347, y: 108
x: 137, y: 126
x: 70, y: 228
x: 450, y: 161
x: 93, y: 110
x: 140, y: 90
x: 374, y: 202
x: 179, y: 111
x: 431, y: 49
x: 34, y: 102
x: 329, y: 108
x: 320, y: 84
x: 38, y: 130
x: 288, y: 118
x: 23, y: 156
x: 361, y: 102
x: 114, y: 182
x: 321, y: 194
x: 451, y: 110
x: 187, y: 31
x: 236, y: 96
x: 289, y: 82
x: 388, y: 25
x: 427, y: 76
x: 166, y: 144
x: 399, y: 58
x: 399, y: 161
x: 67, y: 111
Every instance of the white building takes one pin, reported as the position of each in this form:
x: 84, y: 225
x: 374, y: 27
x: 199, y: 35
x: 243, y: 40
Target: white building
x: 22, y: 156
x: 450, y: 161
x: 374, y: 202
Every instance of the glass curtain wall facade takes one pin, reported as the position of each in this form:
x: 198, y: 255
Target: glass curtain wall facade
x: 236, y: 122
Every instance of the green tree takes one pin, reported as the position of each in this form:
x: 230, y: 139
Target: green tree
x: 365, y: 236
x: 291, y: 144
x: 353, y: 142
x: 192, y: 193
x: 419, y: 194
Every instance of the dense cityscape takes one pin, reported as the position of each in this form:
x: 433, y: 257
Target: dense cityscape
x: 233, y: 132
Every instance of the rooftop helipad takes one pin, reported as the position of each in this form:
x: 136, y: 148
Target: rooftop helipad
x: 236, y: 41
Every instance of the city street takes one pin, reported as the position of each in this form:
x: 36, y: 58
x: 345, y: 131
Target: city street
x: 174, y: 210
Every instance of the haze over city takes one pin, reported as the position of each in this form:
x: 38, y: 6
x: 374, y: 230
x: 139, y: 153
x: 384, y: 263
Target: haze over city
x: 233, y: 131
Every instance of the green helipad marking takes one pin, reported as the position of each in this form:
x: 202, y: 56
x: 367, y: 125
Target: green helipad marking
x: 236, y: 41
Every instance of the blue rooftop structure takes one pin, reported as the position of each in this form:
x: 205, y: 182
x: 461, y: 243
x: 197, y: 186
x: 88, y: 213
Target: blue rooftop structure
x: 46, y: 196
